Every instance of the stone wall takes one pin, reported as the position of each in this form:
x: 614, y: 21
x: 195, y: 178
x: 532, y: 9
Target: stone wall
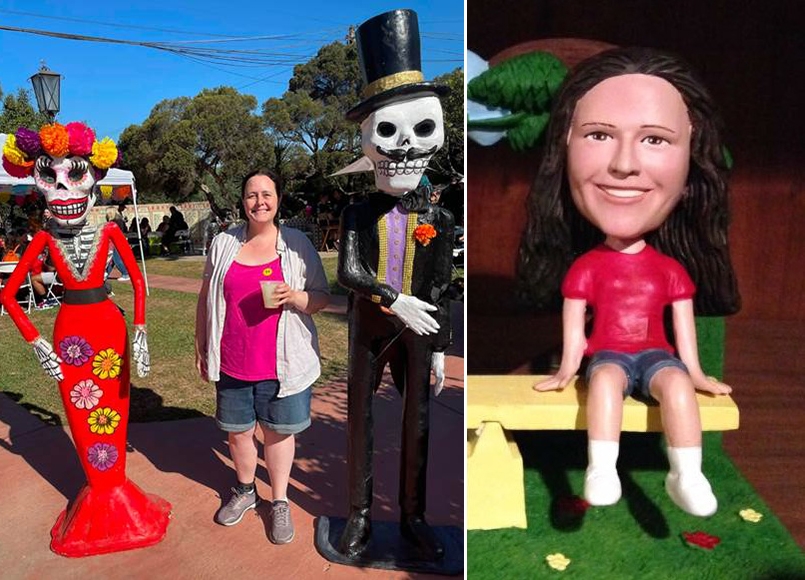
x: 196, y: 214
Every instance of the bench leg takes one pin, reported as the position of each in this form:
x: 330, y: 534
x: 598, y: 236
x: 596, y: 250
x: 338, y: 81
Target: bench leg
x: 495, y: 492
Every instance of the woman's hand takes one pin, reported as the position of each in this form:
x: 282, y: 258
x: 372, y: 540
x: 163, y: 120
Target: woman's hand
x: 284, y: 294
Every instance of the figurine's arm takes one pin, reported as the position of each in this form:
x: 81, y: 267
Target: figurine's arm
x: 574, y: 342
x: 686, y: 346
x: 140, y: 353
x: 48, y: 359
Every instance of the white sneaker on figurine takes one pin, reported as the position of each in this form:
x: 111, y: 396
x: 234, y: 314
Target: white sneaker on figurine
x: 692, y: 493
x: 602, y: 486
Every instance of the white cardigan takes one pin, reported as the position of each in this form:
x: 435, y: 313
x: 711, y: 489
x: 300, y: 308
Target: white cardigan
x: 298, y: 364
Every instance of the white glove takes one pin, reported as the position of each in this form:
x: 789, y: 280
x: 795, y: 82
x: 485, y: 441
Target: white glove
x: 414, y: 313
x: 49, y: 360
x: 437, y: 365
x: 140, y: 349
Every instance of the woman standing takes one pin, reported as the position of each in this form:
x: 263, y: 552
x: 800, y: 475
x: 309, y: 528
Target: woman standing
x: 262, y: 351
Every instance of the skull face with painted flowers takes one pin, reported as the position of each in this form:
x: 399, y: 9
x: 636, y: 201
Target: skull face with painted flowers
x: 66, y: 162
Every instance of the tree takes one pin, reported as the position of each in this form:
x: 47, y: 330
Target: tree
x: 449, y: 161
x: 18, y: 112
x: 213, y: 139
x: 310, y: 116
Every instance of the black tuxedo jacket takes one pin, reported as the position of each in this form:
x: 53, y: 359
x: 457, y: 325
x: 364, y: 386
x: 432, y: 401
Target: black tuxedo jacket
x: 359, y: 255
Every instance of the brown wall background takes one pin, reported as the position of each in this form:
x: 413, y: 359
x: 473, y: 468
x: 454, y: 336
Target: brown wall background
x: 751, y: 55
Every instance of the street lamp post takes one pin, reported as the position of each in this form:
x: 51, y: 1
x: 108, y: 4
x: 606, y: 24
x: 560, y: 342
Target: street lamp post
x: 47, y: 90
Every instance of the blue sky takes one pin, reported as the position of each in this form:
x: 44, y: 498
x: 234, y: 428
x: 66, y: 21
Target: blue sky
x: 111, y: 86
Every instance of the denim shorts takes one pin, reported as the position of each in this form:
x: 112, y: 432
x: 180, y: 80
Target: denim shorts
x: 640, y: 368
x: 240, y: 404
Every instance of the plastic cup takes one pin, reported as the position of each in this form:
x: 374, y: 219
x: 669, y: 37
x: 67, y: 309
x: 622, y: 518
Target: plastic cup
x: 268, y: 289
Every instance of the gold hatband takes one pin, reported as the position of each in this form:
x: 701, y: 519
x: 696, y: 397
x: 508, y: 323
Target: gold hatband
x: 391, y: 82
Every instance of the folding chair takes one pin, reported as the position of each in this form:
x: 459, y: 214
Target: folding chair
x: 184, y: 241
x: 6, y: 268
x: 54, y: 283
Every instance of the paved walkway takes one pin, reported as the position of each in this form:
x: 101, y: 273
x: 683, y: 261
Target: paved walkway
x: 187, y: 463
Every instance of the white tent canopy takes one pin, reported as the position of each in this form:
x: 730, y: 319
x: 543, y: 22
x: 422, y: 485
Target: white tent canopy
x: 114, y: 177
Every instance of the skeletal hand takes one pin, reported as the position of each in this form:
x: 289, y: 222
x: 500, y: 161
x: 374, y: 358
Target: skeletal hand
x: 140, y: 349
x: 437, y: 365
x: 48, y: 359
x: 414, y: 313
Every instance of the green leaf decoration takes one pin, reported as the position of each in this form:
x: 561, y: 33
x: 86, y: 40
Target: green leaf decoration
x: 497, y: 123
x: 522, y: 83
x: 528, y: 132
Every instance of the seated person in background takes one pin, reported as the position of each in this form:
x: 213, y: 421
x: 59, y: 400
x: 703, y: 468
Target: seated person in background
x: 116, y: 261
x: 163, y: 227
x: 145, y: 227
x: 42, y: 276
x: 175, y: 224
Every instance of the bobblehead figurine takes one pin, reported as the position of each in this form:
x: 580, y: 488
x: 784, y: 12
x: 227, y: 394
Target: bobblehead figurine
x: 91, y: 356
x: 630, y: 207
x: 395, y: 260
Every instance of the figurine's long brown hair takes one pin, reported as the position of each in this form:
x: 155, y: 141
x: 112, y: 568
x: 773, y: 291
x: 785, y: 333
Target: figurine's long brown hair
x: 695, y: 233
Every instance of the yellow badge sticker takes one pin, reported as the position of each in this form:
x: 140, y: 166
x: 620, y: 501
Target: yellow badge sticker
x: 268, y: 272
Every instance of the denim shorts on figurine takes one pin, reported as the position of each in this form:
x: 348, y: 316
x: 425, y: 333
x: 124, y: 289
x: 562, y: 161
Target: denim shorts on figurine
x: 640, y: 368
x: 240, y: 404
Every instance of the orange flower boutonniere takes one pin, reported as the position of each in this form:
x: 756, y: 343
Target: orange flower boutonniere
x: 424, y: 233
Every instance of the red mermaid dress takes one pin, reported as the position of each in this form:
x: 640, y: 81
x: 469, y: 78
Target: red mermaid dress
x: 110, y: 513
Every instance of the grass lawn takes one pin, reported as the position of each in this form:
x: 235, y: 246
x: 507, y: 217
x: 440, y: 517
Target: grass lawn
x: 173, y: 389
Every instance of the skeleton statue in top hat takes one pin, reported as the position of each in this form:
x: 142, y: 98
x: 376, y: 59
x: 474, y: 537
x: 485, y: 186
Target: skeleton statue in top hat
x: 395, y: 258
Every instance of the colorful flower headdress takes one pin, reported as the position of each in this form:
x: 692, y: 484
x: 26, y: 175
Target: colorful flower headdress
x: 21, y: 149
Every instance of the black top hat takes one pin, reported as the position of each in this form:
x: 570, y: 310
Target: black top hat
x: 389, y: 56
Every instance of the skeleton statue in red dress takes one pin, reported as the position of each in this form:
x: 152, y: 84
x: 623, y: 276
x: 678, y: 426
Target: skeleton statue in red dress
x: 91, y: 355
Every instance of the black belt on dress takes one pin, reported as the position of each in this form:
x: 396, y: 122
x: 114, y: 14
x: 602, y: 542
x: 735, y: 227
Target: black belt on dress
x: 85, y: 296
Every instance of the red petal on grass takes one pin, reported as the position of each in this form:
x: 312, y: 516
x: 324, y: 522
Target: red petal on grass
x: 701, y: 540
x: 572, y: 504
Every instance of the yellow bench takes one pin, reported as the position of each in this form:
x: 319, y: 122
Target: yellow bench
x: 497, y: 404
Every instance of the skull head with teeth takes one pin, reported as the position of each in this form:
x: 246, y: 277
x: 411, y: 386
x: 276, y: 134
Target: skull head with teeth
x: 67, y: 183
x: 400, y: 139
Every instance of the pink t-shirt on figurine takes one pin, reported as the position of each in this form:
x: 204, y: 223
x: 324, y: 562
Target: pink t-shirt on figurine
x: 248, y: 323
x: 628, y: 294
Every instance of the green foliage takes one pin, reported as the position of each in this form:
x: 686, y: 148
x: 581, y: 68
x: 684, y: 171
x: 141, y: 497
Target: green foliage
x: 213, y: 138
x: 449, y: 161
x: 522, y: 83
x: 310, y: 118
x: 18, y: 111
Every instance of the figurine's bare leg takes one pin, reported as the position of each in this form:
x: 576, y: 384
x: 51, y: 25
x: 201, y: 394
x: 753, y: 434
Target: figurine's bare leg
x: 280, y: 450
x: 243, y: 450
x: 604, y: 416
x: 686, y: 484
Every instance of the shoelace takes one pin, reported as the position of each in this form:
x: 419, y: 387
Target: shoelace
x: 282, y: 513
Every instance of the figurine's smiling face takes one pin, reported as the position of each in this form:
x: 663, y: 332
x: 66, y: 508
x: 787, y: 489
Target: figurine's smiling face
x: 628, y: 154
x: 67, y: 184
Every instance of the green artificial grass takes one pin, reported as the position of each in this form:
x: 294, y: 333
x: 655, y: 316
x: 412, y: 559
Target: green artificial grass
x: 640, y: 536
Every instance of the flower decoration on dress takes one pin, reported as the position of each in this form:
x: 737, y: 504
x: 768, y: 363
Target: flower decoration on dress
x: 750, y: 515
x: 75, y: 350
x: 701, y: 540
x: 103, y: 421
x: 424, y: 233
x: 22, y: 148
x: 106, y: 364
x: 86, y: 394
x: 557, y: 561
x: 102, y: 456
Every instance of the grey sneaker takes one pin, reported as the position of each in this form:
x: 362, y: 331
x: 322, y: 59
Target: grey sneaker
x: 281, y: 525
x: 238, y: 504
